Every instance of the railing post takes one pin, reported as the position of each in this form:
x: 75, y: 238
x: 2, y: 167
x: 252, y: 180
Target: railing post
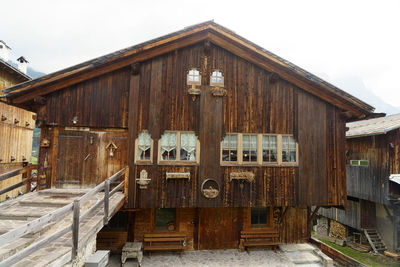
x: 28, y: 182
x: 75, y: 229
x: 106, y: 200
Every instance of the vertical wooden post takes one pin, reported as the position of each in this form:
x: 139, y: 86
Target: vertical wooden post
x: 28, y: 176
x: 75, y: 229
x: 106, y: 200
x: 132, y: 130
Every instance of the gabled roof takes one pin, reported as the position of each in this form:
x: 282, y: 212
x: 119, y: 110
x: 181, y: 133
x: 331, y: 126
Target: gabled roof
x: 207, y: 31
x: 11, y: 69
x: 373, y: 126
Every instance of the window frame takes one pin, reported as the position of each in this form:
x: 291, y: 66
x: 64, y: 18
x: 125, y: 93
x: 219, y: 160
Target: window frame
x: 257, y: 149
x: 192, y: 83
x: 280, y: 158
x: 221, y: 84
x: 358, y: 162
x: 259, y: 161
x: 143, y: 161
x: 237, y: 149
x: 178, y: 161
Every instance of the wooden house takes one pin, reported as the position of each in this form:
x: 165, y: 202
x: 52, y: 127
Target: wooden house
x: 220, y: 136
x: 373, y: 181
x: 16, y: 126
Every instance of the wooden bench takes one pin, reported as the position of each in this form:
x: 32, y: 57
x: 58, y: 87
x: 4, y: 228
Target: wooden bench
x: 164, y: 242
x: 259, y: 238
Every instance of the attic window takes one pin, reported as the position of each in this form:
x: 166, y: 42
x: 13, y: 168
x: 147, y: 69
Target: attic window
x: 216, y: 78
x: 193, y: 77
x: 1, y: 46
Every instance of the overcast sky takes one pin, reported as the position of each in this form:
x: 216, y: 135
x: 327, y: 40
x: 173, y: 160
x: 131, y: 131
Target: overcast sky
x: 352, y: 44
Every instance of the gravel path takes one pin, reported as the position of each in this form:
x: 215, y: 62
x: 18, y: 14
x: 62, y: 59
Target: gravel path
x: 220, y: 258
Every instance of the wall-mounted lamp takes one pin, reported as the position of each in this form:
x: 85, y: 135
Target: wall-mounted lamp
x: 112, y: 147
x: 75, y: 120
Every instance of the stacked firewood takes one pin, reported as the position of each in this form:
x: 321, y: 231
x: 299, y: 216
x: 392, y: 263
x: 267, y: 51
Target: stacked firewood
x: 338, y: 230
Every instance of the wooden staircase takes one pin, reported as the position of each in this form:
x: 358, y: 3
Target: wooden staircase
x: 375, y: 240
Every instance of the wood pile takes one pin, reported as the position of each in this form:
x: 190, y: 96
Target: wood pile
x: 360, y: 247
x: 338, y: 230
x: 394, y: 255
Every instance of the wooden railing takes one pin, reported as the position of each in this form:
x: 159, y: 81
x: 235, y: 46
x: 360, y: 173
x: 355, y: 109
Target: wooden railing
x: 27, y: 178
x: 60, y: 213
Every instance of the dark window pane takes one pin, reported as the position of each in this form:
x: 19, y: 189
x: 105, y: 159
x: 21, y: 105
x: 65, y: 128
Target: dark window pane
x: 146, y: 155
x: 163, y: 217
x: 172, y: 154
x: 292, y: 156
x: 246, y: 155
x: 233, y: 155
x: 259, y: 217
x: 285, y: 156
x: 225, y: 155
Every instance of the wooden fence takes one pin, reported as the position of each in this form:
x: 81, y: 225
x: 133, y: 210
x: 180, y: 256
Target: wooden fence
x: 27, y: 178
x: 57, y: 215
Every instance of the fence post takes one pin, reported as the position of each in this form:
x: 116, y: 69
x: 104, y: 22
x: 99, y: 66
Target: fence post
x: 29, y: 176
x: 106, y: 200
x: 75, y: 229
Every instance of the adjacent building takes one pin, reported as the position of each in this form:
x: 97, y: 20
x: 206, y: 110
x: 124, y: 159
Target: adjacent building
x: 373, y: 181
x: 16, y: 124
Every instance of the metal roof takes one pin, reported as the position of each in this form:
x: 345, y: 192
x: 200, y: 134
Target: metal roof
x: 375, y: 126
x: 395, y: 178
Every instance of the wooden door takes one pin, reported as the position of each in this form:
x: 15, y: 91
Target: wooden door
x: 219, y: 228
x: 76, y: 161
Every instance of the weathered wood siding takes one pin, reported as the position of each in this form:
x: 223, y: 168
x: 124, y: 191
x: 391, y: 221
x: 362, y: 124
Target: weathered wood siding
x: 370, y: 182
x: 350, y: 217
x: 219, y: 228
x: 98, y: 102
x: 255, y: 103
x: 16, y: 130
x: 80, y: 158
x: 9, y: 78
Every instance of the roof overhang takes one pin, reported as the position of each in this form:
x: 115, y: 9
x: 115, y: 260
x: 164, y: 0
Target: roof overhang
x: 352, y: 107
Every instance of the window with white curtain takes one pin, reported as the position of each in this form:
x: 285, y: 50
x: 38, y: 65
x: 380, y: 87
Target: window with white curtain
x: 144, y: 146
x: 169, y: 146
x: 179, y: 146
x: 188, y: 146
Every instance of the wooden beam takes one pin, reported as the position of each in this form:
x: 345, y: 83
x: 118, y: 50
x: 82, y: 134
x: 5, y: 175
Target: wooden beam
x: 283, y: 215
x: 133, y: 113
x: 39, y: 100
x: 313, y: 214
